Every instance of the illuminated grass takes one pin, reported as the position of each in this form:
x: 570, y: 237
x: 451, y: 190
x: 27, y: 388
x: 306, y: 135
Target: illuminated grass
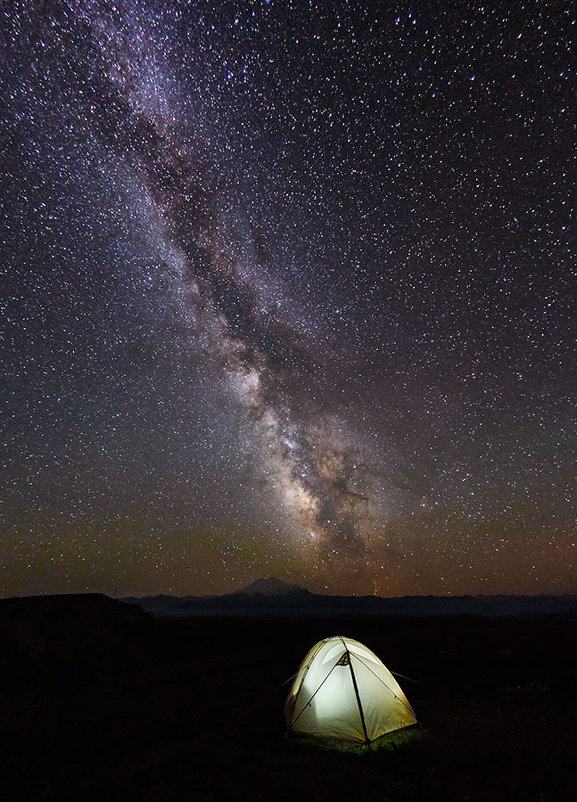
x: 409, y: 736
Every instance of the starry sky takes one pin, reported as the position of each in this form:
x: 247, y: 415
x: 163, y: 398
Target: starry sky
x: 289, y: 290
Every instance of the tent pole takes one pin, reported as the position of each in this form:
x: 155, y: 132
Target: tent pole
x: 358, y: 698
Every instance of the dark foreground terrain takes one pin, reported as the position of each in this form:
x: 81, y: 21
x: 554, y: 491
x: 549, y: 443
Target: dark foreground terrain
x: 99, y: 702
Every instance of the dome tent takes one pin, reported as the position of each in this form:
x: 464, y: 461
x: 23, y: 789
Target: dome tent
x: 342, y: 691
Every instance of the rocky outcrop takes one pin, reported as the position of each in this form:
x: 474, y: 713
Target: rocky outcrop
x: 67, y: 639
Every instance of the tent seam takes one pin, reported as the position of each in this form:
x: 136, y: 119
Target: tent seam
x: 408, y: 707
x: 355, y: 686
x: 314, y: 694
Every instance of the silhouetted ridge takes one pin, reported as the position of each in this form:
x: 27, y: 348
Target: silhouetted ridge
x: 273, y: 597
x: 64, y: 639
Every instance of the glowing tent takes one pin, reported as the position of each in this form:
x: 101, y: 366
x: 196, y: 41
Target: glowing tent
x: 343, y: 691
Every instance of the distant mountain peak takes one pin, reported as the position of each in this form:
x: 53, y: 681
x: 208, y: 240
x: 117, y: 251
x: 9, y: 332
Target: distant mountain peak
x: 270, y: 586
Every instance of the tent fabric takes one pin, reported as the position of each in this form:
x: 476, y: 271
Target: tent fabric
x: 343, y: 691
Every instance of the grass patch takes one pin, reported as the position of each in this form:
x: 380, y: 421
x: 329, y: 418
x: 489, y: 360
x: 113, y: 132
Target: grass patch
x: 391, y: 742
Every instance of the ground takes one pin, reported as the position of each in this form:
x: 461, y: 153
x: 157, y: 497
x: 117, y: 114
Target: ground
x: 196, y: 714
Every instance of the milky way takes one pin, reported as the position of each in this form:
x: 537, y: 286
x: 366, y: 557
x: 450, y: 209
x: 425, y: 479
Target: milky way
x: 291, y: 290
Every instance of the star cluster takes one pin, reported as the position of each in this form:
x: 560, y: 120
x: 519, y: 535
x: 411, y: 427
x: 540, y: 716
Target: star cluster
x: 290, y: 290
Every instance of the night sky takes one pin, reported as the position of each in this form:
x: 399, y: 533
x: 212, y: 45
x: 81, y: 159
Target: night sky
x: 290, y: 290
